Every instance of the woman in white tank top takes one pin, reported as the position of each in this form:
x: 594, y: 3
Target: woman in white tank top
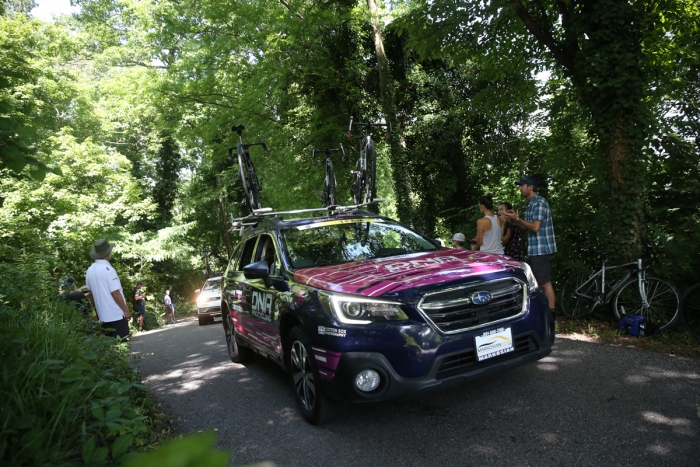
x: 488, y: 228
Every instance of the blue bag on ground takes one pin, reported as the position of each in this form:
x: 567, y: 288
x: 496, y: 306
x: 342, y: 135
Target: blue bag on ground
x: 634, y: 325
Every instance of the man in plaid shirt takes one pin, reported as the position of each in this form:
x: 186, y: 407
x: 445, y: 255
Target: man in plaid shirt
x: 540, y: 235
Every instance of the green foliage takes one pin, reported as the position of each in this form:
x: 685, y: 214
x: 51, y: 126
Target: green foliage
x: 68, y: 393
x: 188, y: 451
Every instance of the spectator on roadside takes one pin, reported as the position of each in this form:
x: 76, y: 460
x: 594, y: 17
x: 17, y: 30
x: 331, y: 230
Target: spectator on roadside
x: 71, y: 294
x: 169, y: 307
x: 512, y: 237
x: 488, y: 228
x: 541, y: 244
x: 106, y: 295
x: 139, y: 304
x: 172, y: 297
x: 458, y: 240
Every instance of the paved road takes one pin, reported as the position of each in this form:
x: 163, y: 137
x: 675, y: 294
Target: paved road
x: 586, y: 404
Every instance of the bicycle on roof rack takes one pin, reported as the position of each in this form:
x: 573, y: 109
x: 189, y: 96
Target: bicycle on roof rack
x: 246, y: 170
x: 329, y: 183
x: 364, y: 177
x: 636, y: 293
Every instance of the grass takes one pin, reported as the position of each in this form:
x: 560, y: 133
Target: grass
x: 675, y: 341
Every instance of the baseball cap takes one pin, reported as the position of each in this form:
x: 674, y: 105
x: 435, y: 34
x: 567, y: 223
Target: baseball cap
x: 528, y: 180
x: 459, y: 237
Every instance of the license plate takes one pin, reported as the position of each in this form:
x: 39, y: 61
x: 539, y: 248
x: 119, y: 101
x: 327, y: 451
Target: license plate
x: 493, y: 343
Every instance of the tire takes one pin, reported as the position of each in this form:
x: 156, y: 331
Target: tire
x: 249, y: 180
x: 690, y: 310
x: 202, y: 321
x: 371, y: 179
x: 357, y: 185
x: 242, y: 177
x: 578, y: 302
x: 236, y: 352
x: 662, y: 298
x: 314, y: 406
x: 330, y: 179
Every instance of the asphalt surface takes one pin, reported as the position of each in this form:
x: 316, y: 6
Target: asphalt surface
x: 586, y: 404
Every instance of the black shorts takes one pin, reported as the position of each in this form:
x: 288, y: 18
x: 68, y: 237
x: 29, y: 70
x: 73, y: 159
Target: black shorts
x: 117, y: 328
x: 541, y: 268
x: 140, y: 310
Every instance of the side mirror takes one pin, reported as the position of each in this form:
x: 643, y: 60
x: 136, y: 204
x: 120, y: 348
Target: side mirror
x: 258, y: 271
x: 198, y: 290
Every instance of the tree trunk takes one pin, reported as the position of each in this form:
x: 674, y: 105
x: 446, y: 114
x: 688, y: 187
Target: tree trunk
x: 397, y: 156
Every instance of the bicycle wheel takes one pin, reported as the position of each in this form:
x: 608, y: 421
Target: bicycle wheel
x: 690, y: 310
x: 358, y: 184
x: 329, y: 186
x: 371, y: 182
x: 662, y: 300
x: 253, y: 192
x: 242, y: 177
x: 578, y: 295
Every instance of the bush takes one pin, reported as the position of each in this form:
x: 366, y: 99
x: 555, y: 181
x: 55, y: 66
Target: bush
x: 67, y: 393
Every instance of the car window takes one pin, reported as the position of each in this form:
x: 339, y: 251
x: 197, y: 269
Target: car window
x: 212, y: 284
x: 345, y: 240
x: 267, y: 252
x: 248, y: 250
x: 235, y: 257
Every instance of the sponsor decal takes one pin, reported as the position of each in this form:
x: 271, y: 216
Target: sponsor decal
x: 480, y: 298
x: 262, y: 306
x: 420, y: 263
x: 237, y: 308
x: 324, y: 331
x: 336, y: 222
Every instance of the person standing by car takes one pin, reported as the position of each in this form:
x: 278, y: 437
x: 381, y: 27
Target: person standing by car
x: 512, y: 237
x: 458, y: 240
x: 169, y: 306
x: 488, y: 228
x: 139, y: 304
x: 541, y: 244
x: 106, y: 295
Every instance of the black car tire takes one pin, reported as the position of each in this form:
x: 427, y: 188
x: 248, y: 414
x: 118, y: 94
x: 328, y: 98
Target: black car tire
x: 314, y: 406
x: 202, y: 321
x: 237, y: 353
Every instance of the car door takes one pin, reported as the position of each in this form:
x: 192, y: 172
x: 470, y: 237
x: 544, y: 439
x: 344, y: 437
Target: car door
x: 265, y: 303
x: 238, y: 290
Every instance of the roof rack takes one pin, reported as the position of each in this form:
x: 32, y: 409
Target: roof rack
x: 258, y: 214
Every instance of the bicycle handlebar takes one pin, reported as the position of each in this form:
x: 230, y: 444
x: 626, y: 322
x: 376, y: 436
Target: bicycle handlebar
x: 368, y: 126
x: 327, y: 152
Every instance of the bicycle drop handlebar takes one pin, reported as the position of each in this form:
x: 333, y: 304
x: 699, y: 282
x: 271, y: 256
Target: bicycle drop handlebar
x: 327, y: 152
x: 368, y: 126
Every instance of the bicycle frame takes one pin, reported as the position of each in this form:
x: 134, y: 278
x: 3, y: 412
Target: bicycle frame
x: 362, y: 168
x: 606, y: 297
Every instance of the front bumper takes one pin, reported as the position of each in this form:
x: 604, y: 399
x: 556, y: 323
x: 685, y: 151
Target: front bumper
x: 211, y: 311
x: 447, y: 371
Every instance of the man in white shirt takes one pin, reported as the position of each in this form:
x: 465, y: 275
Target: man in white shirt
x: 106, y: 293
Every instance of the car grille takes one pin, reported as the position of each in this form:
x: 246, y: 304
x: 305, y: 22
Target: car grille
x: 466, y: 361
x: 453, y: 311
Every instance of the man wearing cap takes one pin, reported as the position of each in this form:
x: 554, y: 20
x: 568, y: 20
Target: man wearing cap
x: 71, y: 294
x: 139, y: 305
x: 540, y: 234
x: 106, y: 293
x: 458, y: 241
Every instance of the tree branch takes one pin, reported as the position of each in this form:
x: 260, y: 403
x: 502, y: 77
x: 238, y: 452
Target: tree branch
x: 286, y: 5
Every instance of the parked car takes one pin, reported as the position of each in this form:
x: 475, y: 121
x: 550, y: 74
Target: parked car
x: 209, y: 300
x: 358, y: 307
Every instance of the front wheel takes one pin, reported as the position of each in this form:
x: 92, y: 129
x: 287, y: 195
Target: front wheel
x: 329, y: 186
x: 662, y: 301
x: 358, y: 184
x: 690, y: 310
x: 315, y: 407
x: 579, y: 294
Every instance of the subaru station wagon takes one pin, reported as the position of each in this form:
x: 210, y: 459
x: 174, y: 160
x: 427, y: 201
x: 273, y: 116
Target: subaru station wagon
x: 357, y: 307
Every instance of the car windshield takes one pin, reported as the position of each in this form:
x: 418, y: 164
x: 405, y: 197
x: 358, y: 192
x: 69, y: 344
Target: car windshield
x: 212, y: 285
x: 344, y: 240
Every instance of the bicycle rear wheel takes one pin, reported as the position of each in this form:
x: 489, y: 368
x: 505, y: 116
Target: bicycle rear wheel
x: 249, y: 180
x: 578, y: 295
x: 371, y: 182
x: 690, y: 310
x: 662, y: 299
x: 329, y: 187
x: 358, y: 184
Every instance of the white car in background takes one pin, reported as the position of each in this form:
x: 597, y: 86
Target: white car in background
x: 209, y: 300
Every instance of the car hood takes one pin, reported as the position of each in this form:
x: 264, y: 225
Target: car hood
x: 381, y: 276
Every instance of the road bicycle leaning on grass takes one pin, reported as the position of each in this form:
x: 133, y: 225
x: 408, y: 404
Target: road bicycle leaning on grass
x: 329, y: 184
x: 246, y: 170
x: 364, y: 177
x: 690, y: 310
x: 637, y: 293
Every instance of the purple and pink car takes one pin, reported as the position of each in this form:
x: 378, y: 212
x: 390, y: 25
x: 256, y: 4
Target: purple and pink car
x: 358, y: 307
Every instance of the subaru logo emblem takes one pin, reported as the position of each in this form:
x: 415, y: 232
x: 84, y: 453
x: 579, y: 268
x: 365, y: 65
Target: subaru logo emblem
x: 480, y: 298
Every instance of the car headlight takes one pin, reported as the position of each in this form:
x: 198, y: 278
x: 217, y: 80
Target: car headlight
x: 531, y: 281
x: 351, y: 309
